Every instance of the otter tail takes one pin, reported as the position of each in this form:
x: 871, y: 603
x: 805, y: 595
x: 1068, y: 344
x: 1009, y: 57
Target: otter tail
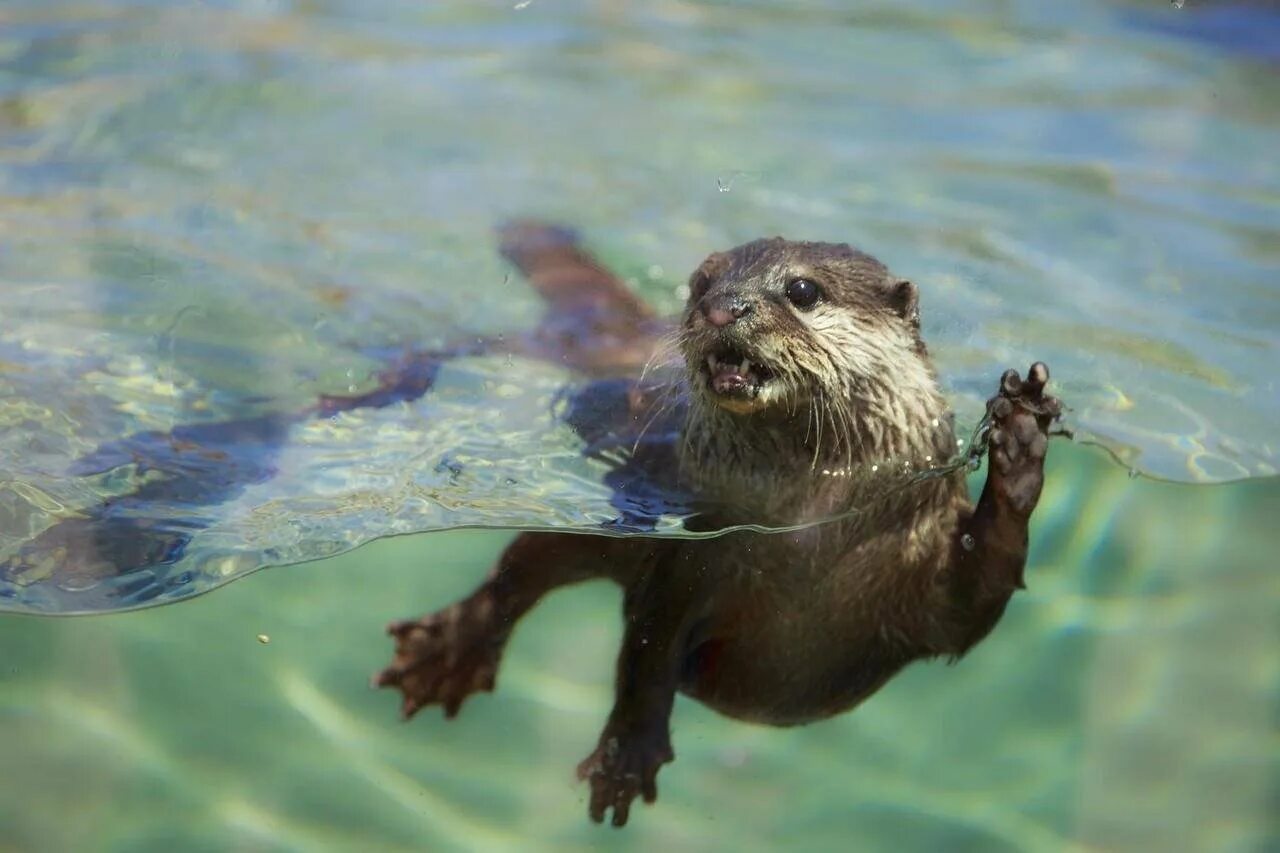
x: 593, y: 321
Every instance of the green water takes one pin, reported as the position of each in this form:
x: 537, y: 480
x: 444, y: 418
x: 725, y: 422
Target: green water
x: 213, y: 209
x: 1127, y: 701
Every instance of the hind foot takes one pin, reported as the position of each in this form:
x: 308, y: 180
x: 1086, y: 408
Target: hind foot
x: 443, y: 658
x: 1018, y: 437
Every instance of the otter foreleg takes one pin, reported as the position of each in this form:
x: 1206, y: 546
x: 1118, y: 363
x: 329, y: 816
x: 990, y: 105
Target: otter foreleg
x: 444, y: 657
x: 990, y: 548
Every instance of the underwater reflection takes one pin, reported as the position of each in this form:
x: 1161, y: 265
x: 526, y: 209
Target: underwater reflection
x: 121, y: 552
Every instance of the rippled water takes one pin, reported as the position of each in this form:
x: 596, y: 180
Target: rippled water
x: 218, y: 211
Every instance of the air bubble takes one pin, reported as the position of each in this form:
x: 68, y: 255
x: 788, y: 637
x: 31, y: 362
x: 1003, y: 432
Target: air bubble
x: 725, y: 185
x: 967, y: 542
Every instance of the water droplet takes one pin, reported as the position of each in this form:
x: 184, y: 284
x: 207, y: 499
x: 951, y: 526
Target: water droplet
x: 522, y: 4
x: 1133, y: 473
x: 655, y: 271
x: 1177, y: 4
x: 264, y: 639
x: 967, y: 542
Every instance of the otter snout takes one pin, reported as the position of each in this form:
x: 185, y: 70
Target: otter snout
x: 723, y: 309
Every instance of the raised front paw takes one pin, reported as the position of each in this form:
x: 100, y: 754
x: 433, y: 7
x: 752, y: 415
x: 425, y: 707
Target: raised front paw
x: 623, y: 767
x: 1020, y: 417
x: 443, y: 658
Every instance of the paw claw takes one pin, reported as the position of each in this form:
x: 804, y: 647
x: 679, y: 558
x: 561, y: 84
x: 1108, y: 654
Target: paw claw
x: 388, y: 677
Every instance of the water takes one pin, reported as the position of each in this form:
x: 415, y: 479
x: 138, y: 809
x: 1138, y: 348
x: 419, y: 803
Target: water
x: 224, y: 209
x: 1127, y: 701
x: 1083, y: 183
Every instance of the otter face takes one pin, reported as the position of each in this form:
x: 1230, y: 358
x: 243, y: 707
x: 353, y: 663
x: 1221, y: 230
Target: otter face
x: 775, y: 323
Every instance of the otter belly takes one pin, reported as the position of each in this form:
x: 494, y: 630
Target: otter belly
x: 782, y: 676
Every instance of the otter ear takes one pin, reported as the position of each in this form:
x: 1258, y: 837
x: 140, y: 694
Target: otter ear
x: 707, y: 272
x: 905, y: 299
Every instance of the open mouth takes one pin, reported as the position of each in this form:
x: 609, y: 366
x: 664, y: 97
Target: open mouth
x: 731, y: 373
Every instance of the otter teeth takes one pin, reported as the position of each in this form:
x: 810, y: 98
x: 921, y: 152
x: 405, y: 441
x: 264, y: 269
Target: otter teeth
x: 745, y: 367
x: 713, y: 363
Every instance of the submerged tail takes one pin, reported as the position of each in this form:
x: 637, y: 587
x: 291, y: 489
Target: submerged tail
x: 566, y: 276
x: 593, y: 321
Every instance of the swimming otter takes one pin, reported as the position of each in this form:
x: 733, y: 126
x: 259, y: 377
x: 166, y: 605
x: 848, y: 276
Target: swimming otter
x: 809, y: 395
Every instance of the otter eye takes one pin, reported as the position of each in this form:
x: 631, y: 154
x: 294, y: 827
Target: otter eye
x: 803, y: 293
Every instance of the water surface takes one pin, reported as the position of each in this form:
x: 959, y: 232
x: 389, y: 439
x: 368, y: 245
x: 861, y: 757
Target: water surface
x: 216, y: 211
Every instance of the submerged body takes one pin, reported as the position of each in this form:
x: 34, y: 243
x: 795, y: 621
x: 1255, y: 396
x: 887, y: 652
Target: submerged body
x: 810, y: 396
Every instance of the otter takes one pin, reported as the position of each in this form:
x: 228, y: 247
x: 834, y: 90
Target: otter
x: 810, y: 402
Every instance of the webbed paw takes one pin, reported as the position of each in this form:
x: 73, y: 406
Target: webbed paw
x: 623, y: 767
x: 443, y: 658
x: 1020, y: 416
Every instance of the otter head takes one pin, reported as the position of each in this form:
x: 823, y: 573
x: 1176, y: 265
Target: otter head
x: 776, y: 326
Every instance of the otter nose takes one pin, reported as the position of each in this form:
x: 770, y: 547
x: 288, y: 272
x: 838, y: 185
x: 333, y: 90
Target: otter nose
x: 724, y: 310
